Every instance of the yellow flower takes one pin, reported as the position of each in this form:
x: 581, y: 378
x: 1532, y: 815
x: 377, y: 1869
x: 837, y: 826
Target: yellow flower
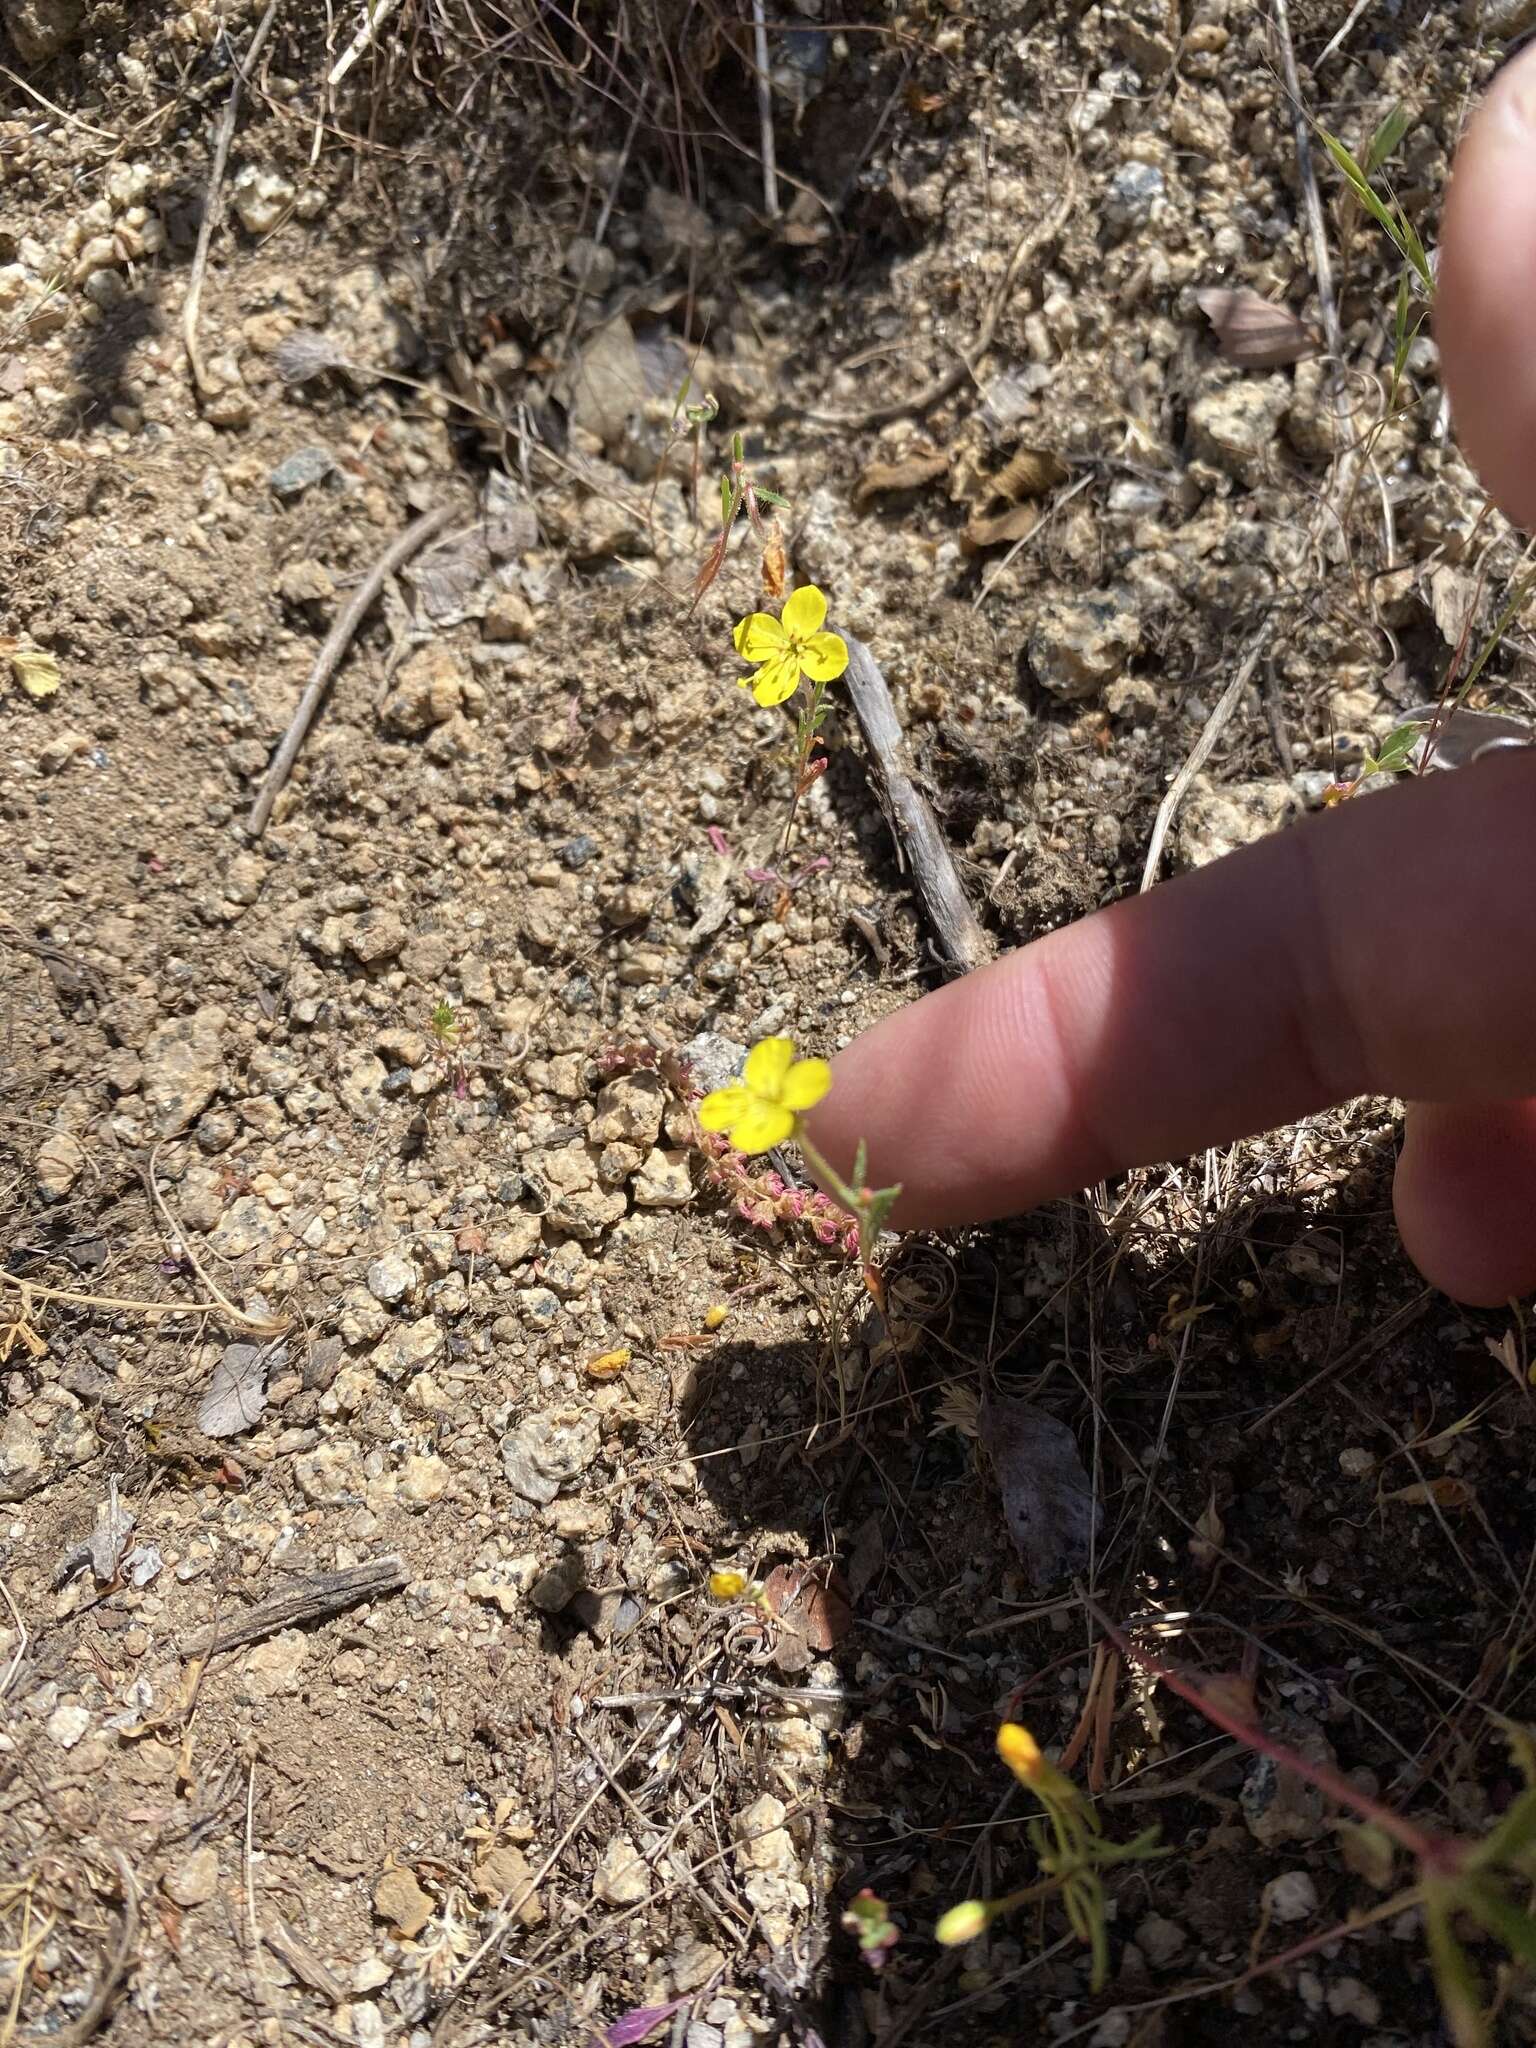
x: 962, y: 1923
x: 1021, y: 1753
x: 790, y: 648
x: 761, y: 1109
x: 727, y: 1585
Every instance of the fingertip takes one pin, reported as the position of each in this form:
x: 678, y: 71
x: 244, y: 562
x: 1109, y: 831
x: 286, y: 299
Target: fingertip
x: 1485, y: 302
x: 1465, y: 1198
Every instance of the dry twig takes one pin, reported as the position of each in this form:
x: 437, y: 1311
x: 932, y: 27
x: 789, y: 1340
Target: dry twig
x: 76, y: 2035
x: 1226, y: 704
x: 313, y: 1599
x: 193, y: 301
x: 910, y: 815
x: 337, y: 641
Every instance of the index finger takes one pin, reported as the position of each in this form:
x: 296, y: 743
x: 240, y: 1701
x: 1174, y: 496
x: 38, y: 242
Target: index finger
x: 1388, y: 946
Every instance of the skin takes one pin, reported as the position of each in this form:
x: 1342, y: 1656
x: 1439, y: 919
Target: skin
x: 1388, y: 947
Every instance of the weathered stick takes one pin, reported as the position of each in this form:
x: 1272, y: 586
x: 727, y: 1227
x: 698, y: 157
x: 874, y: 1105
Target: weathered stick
x: 315, y: 1599
x: 919, y: 842
x: 193, y: 301
x: 337, y: 641
x: 1226, y: 704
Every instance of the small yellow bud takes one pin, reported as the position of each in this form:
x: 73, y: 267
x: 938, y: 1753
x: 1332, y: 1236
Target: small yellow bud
x: 962, y: 1923
x: 727, y: 1585
x: 714, y: 1317
x: 1021, y: 1753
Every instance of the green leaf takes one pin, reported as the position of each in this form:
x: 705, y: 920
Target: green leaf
x: 1492, y: 1909
x: 1386, y: 219
x: 1413, y: 249
x: 1386, y: 138
x: 769, y: 497
x: 1396, y: 748
x: 725, y: 499
x: 1455, y: 1980
x: 1514, y: 1836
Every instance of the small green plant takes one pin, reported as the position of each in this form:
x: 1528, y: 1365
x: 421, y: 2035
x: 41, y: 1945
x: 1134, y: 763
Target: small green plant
x: 1069, y: 1848
x: 766, y: 1107
x: 741, y: 492
x: 448, y: 1030
x: 1486, y: 1883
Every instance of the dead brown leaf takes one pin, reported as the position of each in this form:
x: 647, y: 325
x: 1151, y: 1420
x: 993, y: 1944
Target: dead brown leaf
x: 909, y: 474
x: 981, y: 531
x: 1030, y: 473
x: 1444, y: 1493
x: 1252, y: 331
x: 811, y: 1600
x: 1205, y: 1545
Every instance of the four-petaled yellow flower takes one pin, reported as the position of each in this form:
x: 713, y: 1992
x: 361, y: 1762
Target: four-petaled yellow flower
x: 761, y: 1109
x: 790, y: 647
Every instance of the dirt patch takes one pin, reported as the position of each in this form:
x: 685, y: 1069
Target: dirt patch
x: 353, y: 1207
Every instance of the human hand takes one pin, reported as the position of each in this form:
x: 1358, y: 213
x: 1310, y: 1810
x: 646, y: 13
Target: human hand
x: 1386, y: 947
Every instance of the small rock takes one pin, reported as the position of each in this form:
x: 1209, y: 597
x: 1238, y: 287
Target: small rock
x: 504, y: 1588
x: 1132, y: 194
x: 423, y: 1480
x: 1201, y: 121
x: 663, y: 1181
x: 183, y: 1062
x: 58, y: 1165
x: 555, y: 1589
x: 576, y: 852
x: 1217, y: 818
x: 361, y: 1088
x: 305, y: 582
x: 508, y: 617
x: 244, y: 876
x: 1277, y: 1805
x: 1161, y: 1940
x: 762, y: 1840
x: 21, y: 1458
x: 1352, y: 2000
x: 538, y: 1307
x: 57, y: 753
x: 504, y: 1877
x: 261, y: 198
x: 629, y: 1111
x: 671, y: 226
x: 1077, y: 645
x: 515, y: 1243
x: 274, y: 1668
x: 427, y: 692
x: 67, y: 1723
x: 195, y: 1879
x: 622, y: 1878
x: 693, y: 1964
x: 407, y: 1348
x: 330, y: 1474
x: 299, y: 472
x: 399, y: 1899
x: 1291, y: 1897
x: 714, y: 1060
x: 393, y: 1278
x: 374, y: 936
x: 547, y: 1451
x: 40, y: 29
x: 1235, y: 426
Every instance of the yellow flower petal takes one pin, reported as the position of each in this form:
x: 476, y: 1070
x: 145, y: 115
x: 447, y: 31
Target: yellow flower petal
x: 1021, y: 1753
x: 824, y: 657
x: 759, y: 637
x: 722, y: 1106
x: 805, y: 1084
x: 776, y: 680
x: 767, y: 1064
x: 804, y: 612
x: 727, y: 1585
x: 765, y: 1125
